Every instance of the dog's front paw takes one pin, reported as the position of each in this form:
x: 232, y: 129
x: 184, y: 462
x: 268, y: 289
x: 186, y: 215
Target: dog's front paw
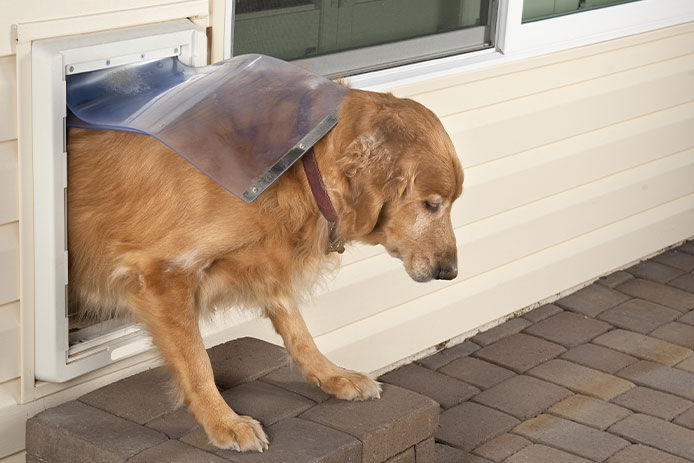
x: 350, y: 385
x: 240, y: 433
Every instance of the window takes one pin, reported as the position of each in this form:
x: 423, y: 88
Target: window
x: 534, y: 27
x: 534, y: 10
x: 345, y: 37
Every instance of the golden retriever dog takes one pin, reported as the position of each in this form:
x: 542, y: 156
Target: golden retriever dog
x: 150, y: 235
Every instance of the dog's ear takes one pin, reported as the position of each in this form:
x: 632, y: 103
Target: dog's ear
x: 372, y: 176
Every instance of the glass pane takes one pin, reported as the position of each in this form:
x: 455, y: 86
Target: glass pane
x: 301, y: 29
x: 535, y: 10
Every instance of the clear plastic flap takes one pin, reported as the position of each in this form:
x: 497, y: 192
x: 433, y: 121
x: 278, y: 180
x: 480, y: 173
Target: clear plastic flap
x: 243, y: 121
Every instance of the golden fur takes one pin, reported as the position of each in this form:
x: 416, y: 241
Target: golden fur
x: 150, y: 235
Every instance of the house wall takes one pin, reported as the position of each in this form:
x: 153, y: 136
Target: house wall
x: 577, y: 163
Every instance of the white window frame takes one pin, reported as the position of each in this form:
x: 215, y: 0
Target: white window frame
x: 591, y: 26
x: 516, y: 40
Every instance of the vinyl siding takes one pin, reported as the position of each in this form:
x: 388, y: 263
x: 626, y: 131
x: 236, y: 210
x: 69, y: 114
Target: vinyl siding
x: 9, y: 225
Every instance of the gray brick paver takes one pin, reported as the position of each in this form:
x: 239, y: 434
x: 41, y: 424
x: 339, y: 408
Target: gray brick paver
x: 502, y: 447
x: 396, y: 421
x: 590, y: 411
x: 75, y: 429
x: 425, y: 451
x: 542, y: 312
x: 687, y: 246
x: 139, y: 398
x: 615, y: 279
x: 476, y: 372
x: 687, y: 318
x: 660, y: 377
x: 469, y: 425
x: 581, y: 379
x: 446, y: 356
x: 571, y: 437
x: 265, y: 402
x: 656, y: 403
x: 676, y: 333
x: 684, y: 282
x: 245, y: 359
x: 568, y: 329
x: 676, y: 259
x: 658, y: 293
x: 599, y: 357
x: 642, y: 454
x: 657, y: 433
x: 291, y: 379
x: 654, y: 271
x: 175, y: 424
x: 519, y: 352
x: 174, y: 451
x: 292, y: 439
x: 522, y: 396
x: 509, y: 327
x: 539, y: 453
x: 686, y: 419
x: 448, y: 454
x: 686, y: 365
x: 445, y: 390
x: 639, y: 315
x: 592, y: 300
x: 408, y: 456
x: 644, y: 347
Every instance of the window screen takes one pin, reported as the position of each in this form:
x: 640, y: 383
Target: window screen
x: 377, y: 33
x: 535, y: 10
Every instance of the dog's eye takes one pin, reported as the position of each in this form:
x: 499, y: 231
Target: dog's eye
x: 433, y: 207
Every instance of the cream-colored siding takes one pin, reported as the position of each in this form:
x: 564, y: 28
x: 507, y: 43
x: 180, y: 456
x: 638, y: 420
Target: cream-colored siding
x: 9, y: 225
x: 577, y: 163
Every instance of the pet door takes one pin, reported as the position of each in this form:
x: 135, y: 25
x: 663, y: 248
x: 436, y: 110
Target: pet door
x: 242, y: 122
x: 64, y: 347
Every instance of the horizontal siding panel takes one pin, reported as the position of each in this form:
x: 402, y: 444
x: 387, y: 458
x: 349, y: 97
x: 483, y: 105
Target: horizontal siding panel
x: 569, y: 111
x: 508, y: 86
x: 9, y: 341
x: 8, y: 97
x: 542, y: 224
x: 9, y: 263
x: 499, y: 240
x: 518, y: 66
x: 495, y: 187
x: 397, y: 333
x: 8, y: 182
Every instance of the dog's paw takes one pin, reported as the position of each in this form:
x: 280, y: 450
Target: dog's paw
x: 241, y: 433
x: 350, y: 385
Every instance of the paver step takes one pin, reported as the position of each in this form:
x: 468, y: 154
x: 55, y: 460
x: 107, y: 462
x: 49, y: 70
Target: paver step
x: 135, y: 419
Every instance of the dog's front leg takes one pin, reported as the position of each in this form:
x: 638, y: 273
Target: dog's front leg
x: 165, y: 304
x: 316, y: 368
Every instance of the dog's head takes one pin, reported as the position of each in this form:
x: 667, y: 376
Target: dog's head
x: 401, y: 177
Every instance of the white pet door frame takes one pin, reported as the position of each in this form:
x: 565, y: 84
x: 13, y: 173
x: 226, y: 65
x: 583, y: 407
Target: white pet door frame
x: 57, y: 359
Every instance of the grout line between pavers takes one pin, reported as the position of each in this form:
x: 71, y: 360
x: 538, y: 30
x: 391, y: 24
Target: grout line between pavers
x: 537, y: 442
x: 680, y: 414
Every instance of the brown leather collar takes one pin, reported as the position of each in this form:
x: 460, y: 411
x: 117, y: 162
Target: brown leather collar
x: 315, y: 181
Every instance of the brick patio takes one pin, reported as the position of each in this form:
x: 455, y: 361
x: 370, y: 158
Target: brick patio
x: 604, y: 374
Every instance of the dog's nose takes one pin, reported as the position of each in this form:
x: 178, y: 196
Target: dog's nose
x: 447, y: 271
